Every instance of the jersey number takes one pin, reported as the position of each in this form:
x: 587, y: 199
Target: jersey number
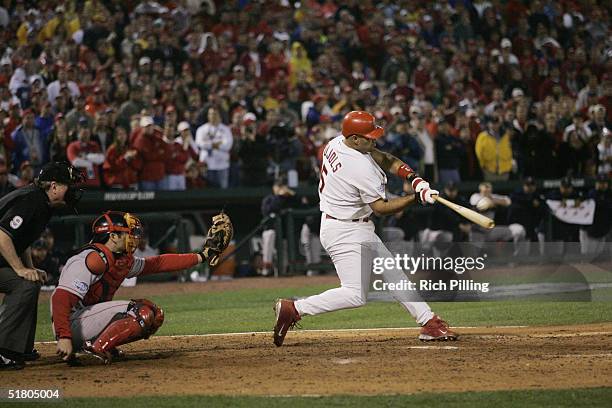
x: 323, y: 172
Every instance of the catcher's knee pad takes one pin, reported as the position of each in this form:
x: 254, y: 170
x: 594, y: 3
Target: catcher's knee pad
x: 148, y: 314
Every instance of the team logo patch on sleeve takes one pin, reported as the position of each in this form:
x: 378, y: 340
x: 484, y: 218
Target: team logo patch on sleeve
x: 16, y: 222
x: 81, y: 287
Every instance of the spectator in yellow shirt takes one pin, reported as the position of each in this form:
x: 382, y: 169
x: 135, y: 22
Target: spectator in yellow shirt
x: 29, y: 28
x: 494, y: 151
x: 71, y: 25
x: 299, y: 62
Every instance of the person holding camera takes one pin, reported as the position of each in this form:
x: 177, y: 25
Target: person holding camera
x: 252, y: 152
x: 282, y: 142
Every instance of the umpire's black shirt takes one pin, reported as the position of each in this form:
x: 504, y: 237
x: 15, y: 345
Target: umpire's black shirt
x: 24, y: 214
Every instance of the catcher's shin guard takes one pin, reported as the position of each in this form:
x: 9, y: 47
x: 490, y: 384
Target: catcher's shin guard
x: 142, y: 319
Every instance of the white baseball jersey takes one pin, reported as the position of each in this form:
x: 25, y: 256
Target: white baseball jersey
x: 77, y: 279
x: 350, y: 181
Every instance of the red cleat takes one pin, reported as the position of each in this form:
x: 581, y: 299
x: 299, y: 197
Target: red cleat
x: 437, y: 329
x: 286, y: 318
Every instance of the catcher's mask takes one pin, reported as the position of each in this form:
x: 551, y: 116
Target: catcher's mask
x: 118, y: 221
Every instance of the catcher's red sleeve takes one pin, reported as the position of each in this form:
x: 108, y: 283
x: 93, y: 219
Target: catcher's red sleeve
x: 62, y: 303
x: 169, y: 263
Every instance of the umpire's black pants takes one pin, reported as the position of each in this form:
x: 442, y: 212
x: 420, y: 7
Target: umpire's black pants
x: 17, y: 312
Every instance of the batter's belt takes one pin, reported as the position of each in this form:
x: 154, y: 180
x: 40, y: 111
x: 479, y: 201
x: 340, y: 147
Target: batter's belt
x: 364, y: 219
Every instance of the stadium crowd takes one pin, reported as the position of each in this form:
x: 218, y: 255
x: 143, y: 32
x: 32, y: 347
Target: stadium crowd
x: 187, y: 93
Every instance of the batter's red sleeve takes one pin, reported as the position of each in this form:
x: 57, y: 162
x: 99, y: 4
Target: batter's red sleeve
x: 62, y: 303
x: 169, y: 263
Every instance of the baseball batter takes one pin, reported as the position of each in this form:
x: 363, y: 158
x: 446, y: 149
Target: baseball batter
x: 352, y: 186
x: 85, y: 317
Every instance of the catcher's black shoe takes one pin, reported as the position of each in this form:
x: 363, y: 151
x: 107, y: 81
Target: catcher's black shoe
x: 286, y: 318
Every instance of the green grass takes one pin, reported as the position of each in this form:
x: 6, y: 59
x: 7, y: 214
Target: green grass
x: 251, y: 310
x: 591, y: 397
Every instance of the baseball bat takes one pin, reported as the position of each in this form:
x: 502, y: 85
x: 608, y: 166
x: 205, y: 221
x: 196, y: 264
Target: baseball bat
x: 471, y: 215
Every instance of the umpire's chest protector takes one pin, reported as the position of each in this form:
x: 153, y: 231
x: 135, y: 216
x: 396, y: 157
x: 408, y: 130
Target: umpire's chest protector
x: 117, y: 269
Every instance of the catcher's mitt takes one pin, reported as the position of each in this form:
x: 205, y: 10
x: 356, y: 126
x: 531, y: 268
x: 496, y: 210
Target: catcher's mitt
x: 218, y: 238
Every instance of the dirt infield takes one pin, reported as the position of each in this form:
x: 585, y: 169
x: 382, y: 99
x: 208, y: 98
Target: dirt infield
x: 384, y: 361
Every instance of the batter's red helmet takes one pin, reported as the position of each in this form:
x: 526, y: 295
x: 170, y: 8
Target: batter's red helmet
x: 361, y: 123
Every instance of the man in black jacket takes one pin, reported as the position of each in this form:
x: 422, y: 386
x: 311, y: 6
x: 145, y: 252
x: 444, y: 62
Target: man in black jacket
x: 527, y: 208
x: 24, y: 214
x: 282, y: 197
x: 593, y: 237
x: 559, y: 230
x: 450, y: 153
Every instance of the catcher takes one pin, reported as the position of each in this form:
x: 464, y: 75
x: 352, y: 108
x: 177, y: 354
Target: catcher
x: 84, y: 315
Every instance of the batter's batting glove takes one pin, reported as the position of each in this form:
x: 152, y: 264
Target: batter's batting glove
x: 418, y: 184
x: 427, y: 196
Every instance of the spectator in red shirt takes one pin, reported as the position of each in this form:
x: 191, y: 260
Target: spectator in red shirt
x: 86, y: 154
x: 275, y: 61
x: 154, y: 152
x: 122, y: 163
x: 181, y: 149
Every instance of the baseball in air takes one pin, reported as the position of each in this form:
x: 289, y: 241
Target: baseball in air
x: 484, y: 204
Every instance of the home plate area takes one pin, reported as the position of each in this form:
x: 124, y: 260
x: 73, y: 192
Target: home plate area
x: 364, y: 362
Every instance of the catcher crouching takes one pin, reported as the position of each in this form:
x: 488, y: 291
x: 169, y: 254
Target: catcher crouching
x: 84, y: 315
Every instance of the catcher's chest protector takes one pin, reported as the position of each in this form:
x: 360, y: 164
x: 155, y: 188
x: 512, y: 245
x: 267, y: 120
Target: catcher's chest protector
x: 117, y: 270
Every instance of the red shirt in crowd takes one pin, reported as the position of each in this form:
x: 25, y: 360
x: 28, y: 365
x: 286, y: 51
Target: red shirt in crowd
x: 120, y: 170
x: 154, y: 152
x: 178, y: 157
x: 274, y: 63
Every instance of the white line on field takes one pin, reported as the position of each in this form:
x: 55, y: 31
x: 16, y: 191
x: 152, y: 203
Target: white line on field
x: 315, y: 331
x: 434, y: 347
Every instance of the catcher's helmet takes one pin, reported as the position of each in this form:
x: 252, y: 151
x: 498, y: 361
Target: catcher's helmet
x: 362, y: 124
x: 117, y: 221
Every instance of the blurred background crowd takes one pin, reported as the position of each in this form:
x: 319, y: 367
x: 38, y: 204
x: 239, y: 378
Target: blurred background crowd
x: 188, y: 94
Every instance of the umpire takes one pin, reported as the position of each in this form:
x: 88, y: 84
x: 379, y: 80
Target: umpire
x: 24, y: 214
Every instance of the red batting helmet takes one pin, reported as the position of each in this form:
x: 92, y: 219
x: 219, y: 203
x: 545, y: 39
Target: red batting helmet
x: 361, y: 123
